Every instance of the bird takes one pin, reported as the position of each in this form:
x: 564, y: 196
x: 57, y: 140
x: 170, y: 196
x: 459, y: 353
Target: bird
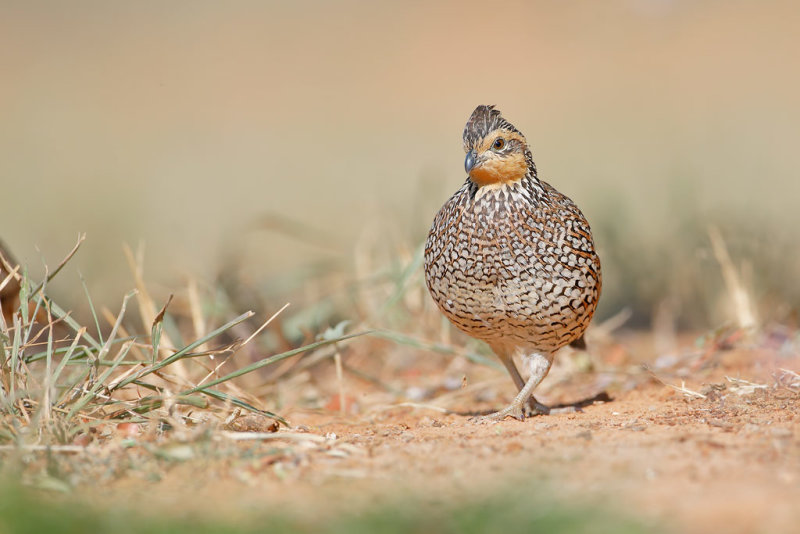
x: 511, y: 261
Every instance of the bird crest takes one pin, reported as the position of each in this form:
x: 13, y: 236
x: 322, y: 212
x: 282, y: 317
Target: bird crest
x: 483, y: 121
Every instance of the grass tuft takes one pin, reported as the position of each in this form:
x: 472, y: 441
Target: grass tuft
x: 61, y: 379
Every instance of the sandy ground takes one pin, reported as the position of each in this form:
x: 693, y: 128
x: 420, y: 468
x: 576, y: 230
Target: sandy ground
x: 723, y: 454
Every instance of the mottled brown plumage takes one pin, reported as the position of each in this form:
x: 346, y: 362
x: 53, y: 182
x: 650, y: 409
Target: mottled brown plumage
x: 510, y: 260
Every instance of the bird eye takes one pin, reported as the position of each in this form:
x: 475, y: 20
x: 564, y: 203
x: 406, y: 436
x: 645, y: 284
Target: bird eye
x: 499, y: 143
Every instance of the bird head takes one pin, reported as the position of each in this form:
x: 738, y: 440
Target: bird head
x: 496, y: 151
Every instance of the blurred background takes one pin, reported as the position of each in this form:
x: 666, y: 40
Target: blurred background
x: 267, y: 139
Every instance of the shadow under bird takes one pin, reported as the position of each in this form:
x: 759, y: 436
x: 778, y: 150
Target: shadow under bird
x: 511, y: 261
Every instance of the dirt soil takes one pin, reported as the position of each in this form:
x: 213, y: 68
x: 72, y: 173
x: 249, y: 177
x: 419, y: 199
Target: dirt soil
x: 708, y: 443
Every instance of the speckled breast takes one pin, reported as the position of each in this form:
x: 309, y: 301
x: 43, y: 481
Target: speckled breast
x: 514, y: 264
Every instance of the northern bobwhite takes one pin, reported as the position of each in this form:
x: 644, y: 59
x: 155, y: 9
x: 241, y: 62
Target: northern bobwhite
x: 510, y: 260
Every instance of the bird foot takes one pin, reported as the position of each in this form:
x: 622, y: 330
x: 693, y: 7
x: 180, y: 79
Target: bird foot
x: 519, y: 412
x: 510, y: 411
x: 535, y: 407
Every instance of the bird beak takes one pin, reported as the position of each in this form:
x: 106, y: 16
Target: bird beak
x: 469, y: 163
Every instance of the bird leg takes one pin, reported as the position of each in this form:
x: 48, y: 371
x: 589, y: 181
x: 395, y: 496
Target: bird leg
x: 534, y: 407
x: 539, y: 366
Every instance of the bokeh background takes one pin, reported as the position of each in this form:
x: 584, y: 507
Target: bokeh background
x: 269, y: 136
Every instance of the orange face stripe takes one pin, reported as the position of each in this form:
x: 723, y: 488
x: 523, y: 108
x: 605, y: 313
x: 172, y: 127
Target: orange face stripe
x: 498, y: 168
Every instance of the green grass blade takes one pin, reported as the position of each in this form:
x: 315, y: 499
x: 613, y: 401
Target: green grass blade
x: 67, y: 355
x: 15, y: 348
x: 92, y: 393
x: 6, y: 356
x: 91, y: 308
x: 88, y: 396
x: 272, y: 359
x: 184, y: 351
x: 24, y: 293
x: 59, y: 312
x: 88, y: 352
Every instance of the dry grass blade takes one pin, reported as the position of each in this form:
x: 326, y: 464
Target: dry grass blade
x: 219, y: 395
x: 47, y: 400
x: 744, y: 387
x: 742, y: 304
x: 265, y: 324
x: 157, y: 328
x: 682, y: 388
x: 13, y: 274
x: 246, y: 341
x: 61, y: 265
x: 788, y: 379
x: 288, y: 436
x: 686, y: 391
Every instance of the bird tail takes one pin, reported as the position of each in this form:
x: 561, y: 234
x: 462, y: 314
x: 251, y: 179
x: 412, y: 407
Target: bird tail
x: 579, y: 343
